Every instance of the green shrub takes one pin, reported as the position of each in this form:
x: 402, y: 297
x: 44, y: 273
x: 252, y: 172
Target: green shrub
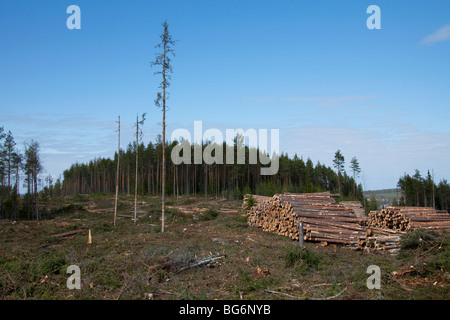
x: 246, y: 283
x: 209, y: 215
x: 251, y: 202
x: 68, y: 209
x: 103, y: 227
x: 50, y: 264
x: 304, y: 258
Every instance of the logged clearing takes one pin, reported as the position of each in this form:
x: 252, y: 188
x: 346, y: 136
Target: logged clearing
x: 207, y: 252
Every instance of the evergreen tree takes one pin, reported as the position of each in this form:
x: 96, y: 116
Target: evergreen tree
x: 8, y: 149
x: 138, y: 138
x: 338, y: 163
x: 163, y: 61
x: 33, y: 168
x: 356, y: 169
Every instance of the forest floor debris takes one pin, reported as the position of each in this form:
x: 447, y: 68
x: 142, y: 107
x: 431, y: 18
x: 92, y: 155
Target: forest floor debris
x: 127, y: 262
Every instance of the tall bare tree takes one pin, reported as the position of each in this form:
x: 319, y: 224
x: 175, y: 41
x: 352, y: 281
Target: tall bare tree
x: 117, y: 172
x: 138, y: 138
x: 163, y: 62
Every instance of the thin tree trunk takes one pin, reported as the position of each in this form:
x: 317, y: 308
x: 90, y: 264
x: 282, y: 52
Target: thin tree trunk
x: 35, y: 195
x: 178, y: 193
x: 206, y: 181
x: 29, y: 185
x: 425, y: 202
x: 163, y: 185
x: 136, y: 180
x: 339, y: 182
x: 117, y: 175
x: 17, y: 192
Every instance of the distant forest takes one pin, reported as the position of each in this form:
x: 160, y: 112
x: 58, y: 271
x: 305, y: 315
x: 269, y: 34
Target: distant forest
x: 13, y: 165
x: 418, y: 191
x: 229, y: 181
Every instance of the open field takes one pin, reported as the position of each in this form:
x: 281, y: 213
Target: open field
x: 136, y: 261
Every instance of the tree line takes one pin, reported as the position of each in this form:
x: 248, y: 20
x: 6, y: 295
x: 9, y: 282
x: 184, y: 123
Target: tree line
x: 229, y: 181
x: 422, y: 191
x: 13, y: 164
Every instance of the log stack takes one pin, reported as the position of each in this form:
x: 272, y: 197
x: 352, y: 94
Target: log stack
x: 390, y: 244
x: 378, y: 239
x: 257, y: 199
x: 409, y: 218
x: 323, y: 220
x: 357, y: 207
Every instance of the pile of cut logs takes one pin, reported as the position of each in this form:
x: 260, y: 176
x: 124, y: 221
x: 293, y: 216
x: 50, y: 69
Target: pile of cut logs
x: 256, y: 199
x: 357, y: 207
x: 325, y: 221
x: 322, y: 219
x: 409, y: 218
x: 378, y: 239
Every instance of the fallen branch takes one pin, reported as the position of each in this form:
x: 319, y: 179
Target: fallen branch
x: 201, y: 262
x: 284, y: 294
x: 67, y: 234
x: 320, y: 285
x: 335, y: 296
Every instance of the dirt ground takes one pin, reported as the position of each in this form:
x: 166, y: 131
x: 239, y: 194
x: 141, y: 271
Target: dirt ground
x: 207, y: 252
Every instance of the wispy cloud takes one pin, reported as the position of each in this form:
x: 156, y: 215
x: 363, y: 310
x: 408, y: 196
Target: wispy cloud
x: 331, y: 101
x: 440, y: 35
x: 322, y: 101
x: 63, y: 139
x: 260, y: 99
x: 53, y: 151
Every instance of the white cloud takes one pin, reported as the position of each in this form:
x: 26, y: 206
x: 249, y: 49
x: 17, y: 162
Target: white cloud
x: 54, y: 151
x: 440, y: 35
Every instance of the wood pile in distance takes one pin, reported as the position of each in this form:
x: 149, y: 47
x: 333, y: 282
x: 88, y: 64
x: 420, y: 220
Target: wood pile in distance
x: 409, y: 218
x: 323, y: 220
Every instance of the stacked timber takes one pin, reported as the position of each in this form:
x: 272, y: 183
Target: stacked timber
x: 323, y: 220
x: 259, y: 213
x: 378, y: 239
x: 357, y: 207
x: 390, y: 244
x: 257, y: 200
x: 409, y: 218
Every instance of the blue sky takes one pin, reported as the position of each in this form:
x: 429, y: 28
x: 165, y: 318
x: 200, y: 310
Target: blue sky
x: 311, y: 69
